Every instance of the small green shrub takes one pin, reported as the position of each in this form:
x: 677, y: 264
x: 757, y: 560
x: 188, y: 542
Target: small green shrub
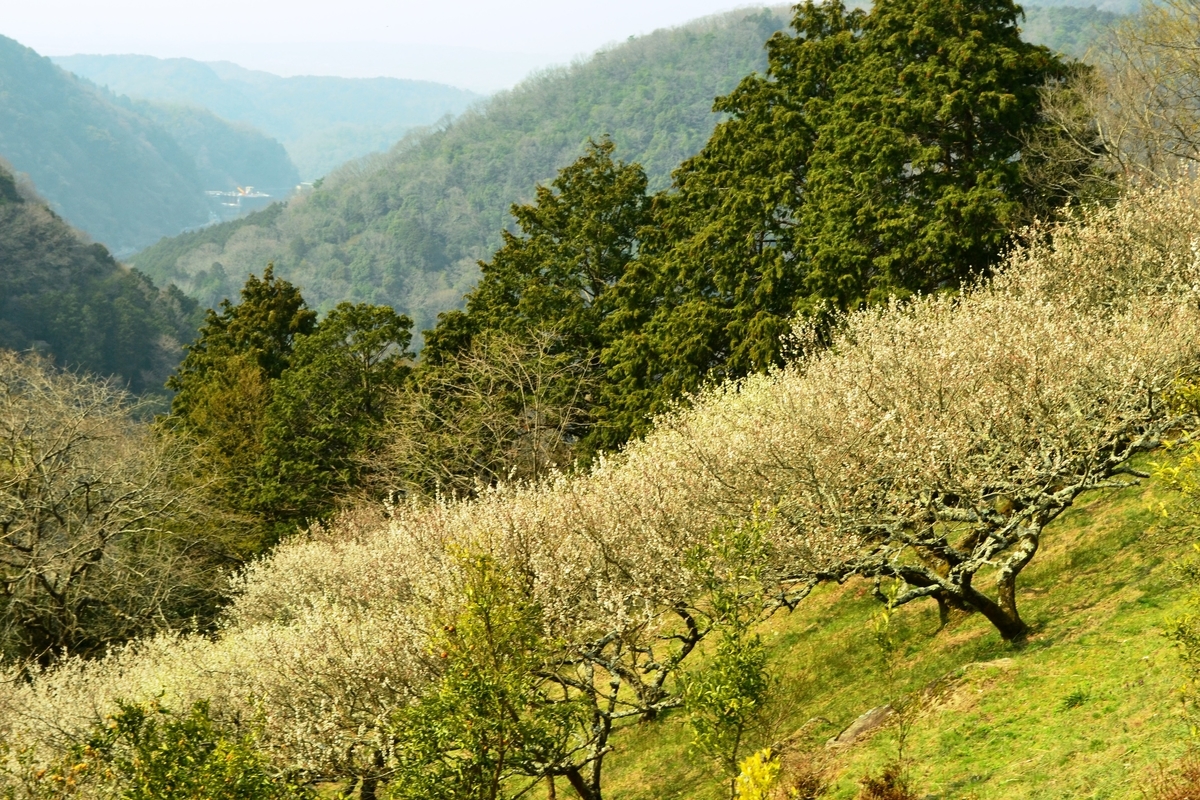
x: 147, y: 752
x: 1075, y: 699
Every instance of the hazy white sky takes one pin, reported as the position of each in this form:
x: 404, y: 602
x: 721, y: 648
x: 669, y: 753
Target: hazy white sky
x: 484, y: 40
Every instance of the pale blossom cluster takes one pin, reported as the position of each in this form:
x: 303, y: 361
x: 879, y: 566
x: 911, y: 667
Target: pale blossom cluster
x: 930, y: 443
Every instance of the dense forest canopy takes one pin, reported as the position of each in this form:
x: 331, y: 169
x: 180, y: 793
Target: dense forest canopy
x: 68, y: 299
x: 322, y: 121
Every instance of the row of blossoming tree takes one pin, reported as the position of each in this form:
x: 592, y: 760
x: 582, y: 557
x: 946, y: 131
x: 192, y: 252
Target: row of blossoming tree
x: 927, y: 443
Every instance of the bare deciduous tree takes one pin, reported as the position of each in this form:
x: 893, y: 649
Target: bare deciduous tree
x: 509, y: 409
x: 1145, y: 100
x: 95, y: 532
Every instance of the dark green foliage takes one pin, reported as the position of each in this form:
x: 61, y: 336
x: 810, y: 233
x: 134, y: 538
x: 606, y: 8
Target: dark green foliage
x: 574, y: 244
x: 150, y: 753
x: 286, y: 411
x: 555, y: 275
x: 106, y: 169
x: 223, y: 386
x: 407, y: 229
x: 879, y: 156
x: 264, y: 325
x: 70, y: 299
x: 327, y: 408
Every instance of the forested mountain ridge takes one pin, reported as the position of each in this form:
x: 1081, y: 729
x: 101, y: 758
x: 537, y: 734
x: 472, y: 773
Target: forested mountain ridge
x: 106, y: 169
x: 1068, y: 29
x: 226, y: 154
x: 69, y: 299
x: 322, y: 121
x: 126, y: 172
x: 406, y: 229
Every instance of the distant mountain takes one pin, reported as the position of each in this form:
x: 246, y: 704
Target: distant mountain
x: 67, y: 298
x: 322, y: 121
x: 1111, y: 6
x: 406, y: 228
x: 105, y: 168
x: 126, y: 172
x: 226, y: 154
x: 1071, y: 30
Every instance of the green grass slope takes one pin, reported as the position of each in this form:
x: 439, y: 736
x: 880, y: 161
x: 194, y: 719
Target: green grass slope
x: 1088, y: 707
x: 406, y: 229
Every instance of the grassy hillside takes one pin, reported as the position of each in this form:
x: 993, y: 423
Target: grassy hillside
x: 68, y: 299
x: 1088, y: 707
x: 322, y: 121
x: 406, y: 228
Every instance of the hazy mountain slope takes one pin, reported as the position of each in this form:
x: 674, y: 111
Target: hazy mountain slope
x: 1113, y: 6
x: 1067, y: 29
x: 406, y: 228
x: 69, y: 299
x: 323, y: 121
x: 226, y: 154
x: 106, y: 169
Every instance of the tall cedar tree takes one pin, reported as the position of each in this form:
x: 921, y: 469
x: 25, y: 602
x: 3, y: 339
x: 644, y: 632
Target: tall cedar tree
x: 327, y: 408
x: 555, y: 277
x: 223, y: 386
x: 879, y: 156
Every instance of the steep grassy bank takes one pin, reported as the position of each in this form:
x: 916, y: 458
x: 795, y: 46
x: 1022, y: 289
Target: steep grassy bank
x: 1088, y: 707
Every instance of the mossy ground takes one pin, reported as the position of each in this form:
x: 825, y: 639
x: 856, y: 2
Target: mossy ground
x: 1087, y: 707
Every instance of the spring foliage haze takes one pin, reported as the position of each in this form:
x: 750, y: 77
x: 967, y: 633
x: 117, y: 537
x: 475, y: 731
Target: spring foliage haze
x: 323, y: 121
x: 108, y: 170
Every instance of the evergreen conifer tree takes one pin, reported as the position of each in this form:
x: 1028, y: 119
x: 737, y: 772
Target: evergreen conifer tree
x: 879, y: 156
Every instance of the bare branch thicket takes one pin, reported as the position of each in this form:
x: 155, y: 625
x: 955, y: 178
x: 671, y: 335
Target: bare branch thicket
x: 1145, y: 100
x: 97, y: 540
x: 509, y: 409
